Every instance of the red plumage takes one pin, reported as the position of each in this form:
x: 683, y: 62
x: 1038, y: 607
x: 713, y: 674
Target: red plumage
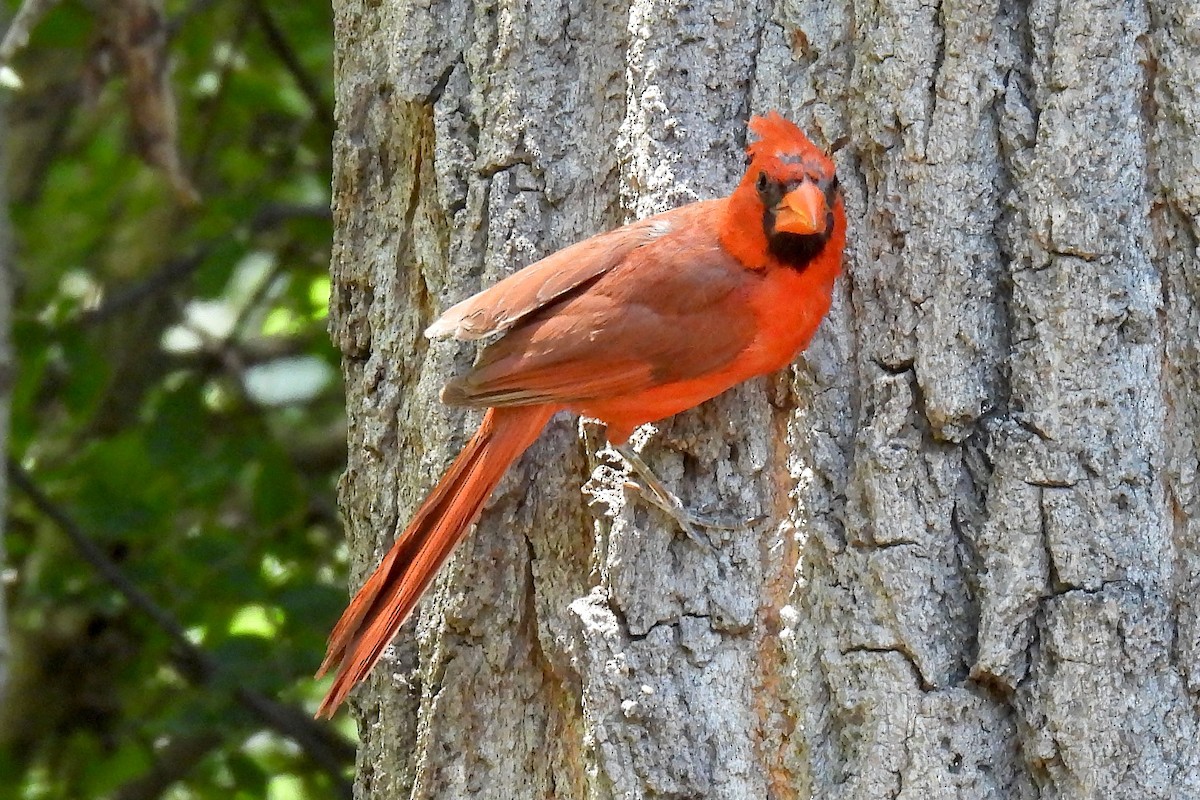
x: 629, y: 327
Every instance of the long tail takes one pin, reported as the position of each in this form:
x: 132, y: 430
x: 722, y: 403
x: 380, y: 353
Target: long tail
x: 390, y: 594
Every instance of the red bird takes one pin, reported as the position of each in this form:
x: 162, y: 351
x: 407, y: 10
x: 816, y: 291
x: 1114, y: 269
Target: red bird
x: 628, y: 327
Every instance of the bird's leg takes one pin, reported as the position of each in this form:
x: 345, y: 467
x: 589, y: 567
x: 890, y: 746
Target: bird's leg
x: 657, y: 493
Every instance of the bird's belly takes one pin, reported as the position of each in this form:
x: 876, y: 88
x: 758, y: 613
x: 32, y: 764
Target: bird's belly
x: 770, y: 352
x: 788, y: 311
x: 623, y: 413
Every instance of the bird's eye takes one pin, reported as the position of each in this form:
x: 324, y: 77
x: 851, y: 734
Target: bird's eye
x: 762, y: 183
x: 833, y: 184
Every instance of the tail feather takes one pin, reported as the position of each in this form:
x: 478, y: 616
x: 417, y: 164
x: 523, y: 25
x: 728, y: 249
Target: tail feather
x: 388, y: 597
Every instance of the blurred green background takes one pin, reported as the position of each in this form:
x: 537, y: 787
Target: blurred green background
x: 177, y: 404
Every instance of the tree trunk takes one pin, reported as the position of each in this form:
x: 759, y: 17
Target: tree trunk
x: 979, y: 575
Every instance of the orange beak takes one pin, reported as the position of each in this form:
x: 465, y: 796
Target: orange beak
x: 802, y: 211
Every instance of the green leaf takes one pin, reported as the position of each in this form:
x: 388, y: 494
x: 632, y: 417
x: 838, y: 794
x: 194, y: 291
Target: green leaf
x: 276, y: 492
x: 254, y: 620
x: 248, y: 776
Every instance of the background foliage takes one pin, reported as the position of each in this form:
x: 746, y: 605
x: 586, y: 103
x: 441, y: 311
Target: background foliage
x: 177, y: 405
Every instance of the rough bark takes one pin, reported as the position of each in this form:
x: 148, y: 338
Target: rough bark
x: 979, y: 573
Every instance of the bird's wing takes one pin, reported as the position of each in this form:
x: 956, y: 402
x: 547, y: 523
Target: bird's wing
x: 500, y: 307
x: 670, y: 311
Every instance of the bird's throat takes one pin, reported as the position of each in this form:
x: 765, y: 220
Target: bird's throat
x: 794, y: 250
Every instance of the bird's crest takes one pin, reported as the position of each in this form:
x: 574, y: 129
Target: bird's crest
x: 778, y: 137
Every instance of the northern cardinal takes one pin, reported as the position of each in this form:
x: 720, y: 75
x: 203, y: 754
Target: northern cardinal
x: 627, y: 327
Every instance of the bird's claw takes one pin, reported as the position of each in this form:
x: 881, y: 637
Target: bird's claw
x: 689, y: 521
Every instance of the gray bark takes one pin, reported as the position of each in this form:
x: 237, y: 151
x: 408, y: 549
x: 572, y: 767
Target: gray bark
x: 980, y: 569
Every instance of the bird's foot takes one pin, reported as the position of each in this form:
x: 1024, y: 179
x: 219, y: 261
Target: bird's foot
x: 692, y: 523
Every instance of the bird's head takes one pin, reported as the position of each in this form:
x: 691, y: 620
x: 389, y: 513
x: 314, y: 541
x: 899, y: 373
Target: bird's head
x: 788, y: 205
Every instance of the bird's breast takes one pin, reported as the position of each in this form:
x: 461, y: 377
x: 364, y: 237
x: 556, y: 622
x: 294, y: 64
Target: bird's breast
x: 789, y: 306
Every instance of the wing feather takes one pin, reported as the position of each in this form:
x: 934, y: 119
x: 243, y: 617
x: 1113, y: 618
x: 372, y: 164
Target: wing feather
x: 668, y: 312
x: 499, y: 307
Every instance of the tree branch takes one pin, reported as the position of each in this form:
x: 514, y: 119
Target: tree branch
x: 179, y: 269
x: 325, y: 748
x: 26, y: 19
x: 172, y: 764
x: 279, y: 43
